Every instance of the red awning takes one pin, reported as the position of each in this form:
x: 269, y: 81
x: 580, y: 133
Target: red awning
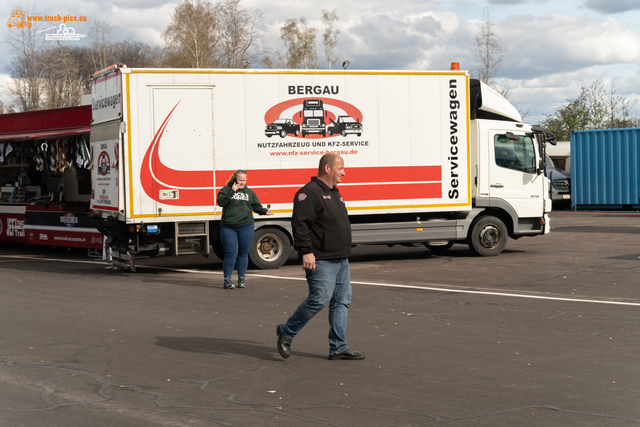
x: 45, y: 123
x: 52, y: 133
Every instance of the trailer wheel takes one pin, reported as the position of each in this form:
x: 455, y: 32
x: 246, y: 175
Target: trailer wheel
x: 438, y: 247
x: 269, y: 249
x: 488, y: 236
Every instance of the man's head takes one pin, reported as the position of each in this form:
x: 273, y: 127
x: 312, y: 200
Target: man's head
x: 331, y: 169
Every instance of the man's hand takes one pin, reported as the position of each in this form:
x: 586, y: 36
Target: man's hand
x: 309, y: 262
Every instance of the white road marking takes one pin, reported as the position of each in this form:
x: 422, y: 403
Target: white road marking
x: 426, y: 287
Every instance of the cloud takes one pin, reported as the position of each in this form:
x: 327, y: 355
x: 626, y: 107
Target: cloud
x: 609, y: 6
x: 508, y: 2
x: 382, y: 42
x: 539, y: 45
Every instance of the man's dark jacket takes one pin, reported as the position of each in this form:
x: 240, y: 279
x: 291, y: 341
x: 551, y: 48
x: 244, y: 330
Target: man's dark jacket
x: 320, y: 222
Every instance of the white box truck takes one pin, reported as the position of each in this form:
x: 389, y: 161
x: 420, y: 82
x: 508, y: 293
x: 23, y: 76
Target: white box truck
x: 432, y: 158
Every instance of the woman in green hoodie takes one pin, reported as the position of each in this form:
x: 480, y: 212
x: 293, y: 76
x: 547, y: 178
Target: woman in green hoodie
x: 238, y: 203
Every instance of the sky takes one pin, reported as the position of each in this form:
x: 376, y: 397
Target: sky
x: 552, y: 47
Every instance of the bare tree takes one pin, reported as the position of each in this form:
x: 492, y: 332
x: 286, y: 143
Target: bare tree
x: 240, y: 30
x: 138, y: 54
x: 330, y: 35
x: 63, y: 84
x: 193, y: 35
x: 300, y: 44
x: 5, y: 110
x: 490, y: 52
x: 25, y: 68
x: 54, y: 74
x: 102, y: 47
x: 618, y: 109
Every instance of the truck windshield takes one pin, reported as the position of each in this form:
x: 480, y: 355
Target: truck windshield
x: 515, y: 154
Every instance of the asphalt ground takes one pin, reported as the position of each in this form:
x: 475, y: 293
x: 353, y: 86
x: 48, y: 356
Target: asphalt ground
x: 545, y: 334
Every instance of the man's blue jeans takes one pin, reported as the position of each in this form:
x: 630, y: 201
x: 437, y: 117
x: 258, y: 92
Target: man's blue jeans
x: 236, y: 242
x: 330, y: 285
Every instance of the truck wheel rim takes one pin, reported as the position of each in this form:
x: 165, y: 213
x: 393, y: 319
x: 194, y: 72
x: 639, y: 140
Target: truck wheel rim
x: 490, y: 236
x: 269, y: 247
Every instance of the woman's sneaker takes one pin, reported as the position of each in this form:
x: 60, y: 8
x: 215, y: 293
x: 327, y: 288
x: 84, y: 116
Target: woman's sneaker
x: 228, y: 284
x: 241, y: 282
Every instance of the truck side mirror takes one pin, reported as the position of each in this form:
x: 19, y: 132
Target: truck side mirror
x: 540, y: 167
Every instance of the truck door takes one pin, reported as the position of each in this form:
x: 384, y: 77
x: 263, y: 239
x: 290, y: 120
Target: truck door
x: 181, y: 156
x: 513, y: 173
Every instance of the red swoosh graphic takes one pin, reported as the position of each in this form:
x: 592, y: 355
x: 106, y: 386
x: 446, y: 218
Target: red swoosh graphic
x: 195, y: 187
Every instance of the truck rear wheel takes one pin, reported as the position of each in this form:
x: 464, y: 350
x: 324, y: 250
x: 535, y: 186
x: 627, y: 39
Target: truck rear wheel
x: 270, y: 248
x: 488, y: 236
x: 218, y: 249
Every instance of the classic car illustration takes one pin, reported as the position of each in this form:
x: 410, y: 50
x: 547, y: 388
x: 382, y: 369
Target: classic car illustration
x: 345, y: 125
x: 282, y: 127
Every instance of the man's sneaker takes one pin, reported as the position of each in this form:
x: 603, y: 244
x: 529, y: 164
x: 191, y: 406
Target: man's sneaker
x: 284, y: 343
x: 227, y: 283
x: 241, y: 282
x: 347, y: 354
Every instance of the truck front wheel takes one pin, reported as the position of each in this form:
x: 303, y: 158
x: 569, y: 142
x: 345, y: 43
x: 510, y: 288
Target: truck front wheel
x: 269, y: 249
x: 488, y: 236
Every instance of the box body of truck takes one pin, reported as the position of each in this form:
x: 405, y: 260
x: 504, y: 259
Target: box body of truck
x: 164, y: 142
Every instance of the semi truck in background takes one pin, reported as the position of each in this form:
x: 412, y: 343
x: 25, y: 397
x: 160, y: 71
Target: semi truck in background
x: 558, y: 162
x: 440, y: 158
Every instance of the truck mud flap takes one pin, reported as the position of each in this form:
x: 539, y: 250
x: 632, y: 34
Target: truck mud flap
x: 123, y: 259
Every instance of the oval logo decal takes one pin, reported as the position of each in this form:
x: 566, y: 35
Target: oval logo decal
x: 314, y: 116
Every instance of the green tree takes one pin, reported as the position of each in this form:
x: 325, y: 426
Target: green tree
x: 192, y: 37
x: 595, y: 108
x: 300, y: 43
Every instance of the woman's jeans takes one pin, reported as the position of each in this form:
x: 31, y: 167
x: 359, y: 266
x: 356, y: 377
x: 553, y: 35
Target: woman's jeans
x: 236, y: 242
x: 330, y: 285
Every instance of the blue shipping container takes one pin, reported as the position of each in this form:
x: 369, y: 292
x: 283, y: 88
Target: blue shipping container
x: 605, y: 169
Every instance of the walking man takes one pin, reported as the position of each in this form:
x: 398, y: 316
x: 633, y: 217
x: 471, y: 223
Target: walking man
x: 322, y: 234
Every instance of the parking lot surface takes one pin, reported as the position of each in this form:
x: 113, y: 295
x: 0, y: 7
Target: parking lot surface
x: 545, y: 334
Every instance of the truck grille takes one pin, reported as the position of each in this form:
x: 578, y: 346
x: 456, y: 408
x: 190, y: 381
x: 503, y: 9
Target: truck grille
x: 191, y: 245
x: 561, y: 184
x: 191, y: 229
x: 191, y: 238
